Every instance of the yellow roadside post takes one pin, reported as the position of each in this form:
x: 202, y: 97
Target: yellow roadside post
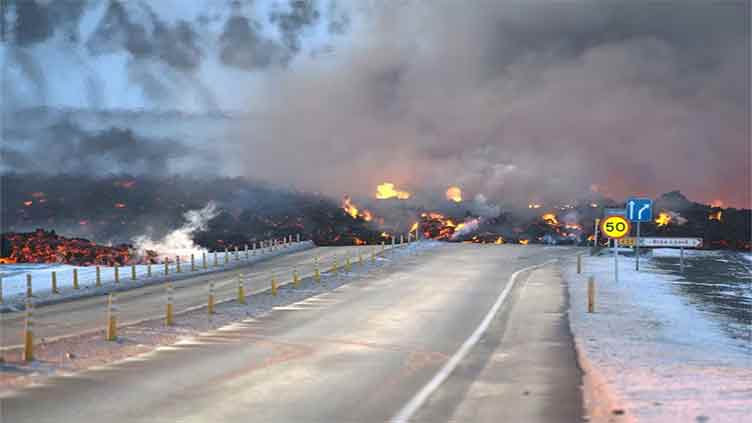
x: 373, y: 256
x: 316, y: 271
x: 227, y: 255
x: 579, y: 263
x: 335, y: 266
x: 133, y: 272
x: 53, y: 280
x: 210, y: 303
x: 75, y: 281
x: 193, y: 263
x: 28, y: 352
x: 111, y: 334
x: 177, y: 264
x: 241, y: 289
x: 360, y: 258
x: 591, y: 294
x: 98, y: 282
x: 274, y: 286
x: 295, y: 277
x: 117, y: 274
x: 348, y: 266
x: 28, y: 285
x: 169, y: 311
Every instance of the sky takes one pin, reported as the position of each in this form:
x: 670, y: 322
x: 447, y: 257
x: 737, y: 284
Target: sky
x: 516, y: 100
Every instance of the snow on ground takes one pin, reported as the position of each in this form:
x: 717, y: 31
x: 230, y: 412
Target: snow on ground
x: 13, y: 276
x: 660, y: 354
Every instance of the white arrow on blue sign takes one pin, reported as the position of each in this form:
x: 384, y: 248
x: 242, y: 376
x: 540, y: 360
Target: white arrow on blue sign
x: 640, y: 209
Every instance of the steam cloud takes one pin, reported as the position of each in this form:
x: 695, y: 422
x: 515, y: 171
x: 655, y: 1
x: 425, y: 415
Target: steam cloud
x: 180, y: 241
x: 513, y: 100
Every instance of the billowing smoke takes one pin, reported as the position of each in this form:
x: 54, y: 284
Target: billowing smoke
x: 180, y: 241
x: 510, y: 99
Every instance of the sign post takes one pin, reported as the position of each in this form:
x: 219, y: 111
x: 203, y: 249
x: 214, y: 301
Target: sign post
x: 615, y: 226
x: 639, y: 210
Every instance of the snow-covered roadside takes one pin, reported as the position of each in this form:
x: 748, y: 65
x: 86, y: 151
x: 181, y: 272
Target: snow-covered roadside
x: 68, y: 355
x: 657, y: 353
x: 13, y: 276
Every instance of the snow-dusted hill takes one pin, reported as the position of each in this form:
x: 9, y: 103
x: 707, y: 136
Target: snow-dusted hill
x: 156, y: 54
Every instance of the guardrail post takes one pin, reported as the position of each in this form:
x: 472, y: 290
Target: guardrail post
x: 117, y: 274
x: 177, y: 264
x: 382, y: 246
x: 133, y: 272
x: 53, y: 280
x: 111, y: 334
x: 75, y: 279
x: 28, y: 285
x: 169, y: 311
x: 297, y: 237
x: 148, y: 269
x: 591, y: 294
x: 241, y: 289
x: 203, y: 260
x: 210, y: 302
x: 227, y: 255
x: 348, y: 266
x: 247, y: 256
x: 335, y: 265
x: 253, y: 248
x: 28, y: 352
x: 394, y: 240
x: 579, y: 264
x: 216, y: 261
x: 193, y: 263
x: 373, y: 256
x: 316, y: 271
x: 98, y: 282
x: 166, y: 266
x: 295, y: 277
x: 274, y: 286
x: 237, y: 255
x: 360, y: 258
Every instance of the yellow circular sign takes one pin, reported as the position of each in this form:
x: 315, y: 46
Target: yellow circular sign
x: 615, y: 227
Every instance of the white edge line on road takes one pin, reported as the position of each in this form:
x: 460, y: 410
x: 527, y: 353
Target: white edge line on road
x: 409, y: 409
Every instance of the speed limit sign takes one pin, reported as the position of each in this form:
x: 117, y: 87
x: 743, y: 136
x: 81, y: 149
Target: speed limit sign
x: 615, y: 227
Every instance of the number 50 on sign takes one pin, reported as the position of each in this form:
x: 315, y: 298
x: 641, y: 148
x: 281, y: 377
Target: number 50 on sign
x: 615, y: 227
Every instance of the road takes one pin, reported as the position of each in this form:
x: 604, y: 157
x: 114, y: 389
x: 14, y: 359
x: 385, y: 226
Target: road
x: 148, y: 302
x: 364, y: 352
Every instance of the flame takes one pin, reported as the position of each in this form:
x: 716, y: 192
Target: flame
x: 591, y: 238
x: 499, y: 240
x: 454, y: 194
x: 717, y: 216
x: 534, y: 206
x: 386, y: 235
x: 7, y: 260
x: 594, y: 205
x: 663, y: 219
x: 716, y: 203
x: 367, y: 215
x: 28, y: 203
x: 386, y: 191
x: 414, y: 227
x: 119, y: 205
x: 524, y: 241
x: 349, y: 208
x: 550, y: 219
x: 359, y: 241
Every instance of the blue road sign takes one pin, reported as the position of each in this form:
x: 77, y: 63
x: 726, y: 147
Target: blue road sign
x: 640, y: 209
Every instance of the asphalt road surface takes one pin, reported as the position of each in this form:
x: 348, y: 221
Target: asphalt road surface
x: 442, y: 336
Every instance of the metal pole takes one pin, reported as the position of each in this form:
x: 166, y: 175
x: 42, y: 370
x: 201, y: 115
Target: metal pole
x: 595, y: 243
x: 681, y: 259
x: 637, y: 249
x: 616, y: 260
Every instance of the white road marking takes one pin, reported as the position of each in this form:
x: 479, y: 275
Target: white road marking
x: 412, y: 406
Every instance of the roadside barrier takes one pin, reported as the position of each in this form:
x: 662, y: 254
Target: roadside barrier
x: 111, y: 334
